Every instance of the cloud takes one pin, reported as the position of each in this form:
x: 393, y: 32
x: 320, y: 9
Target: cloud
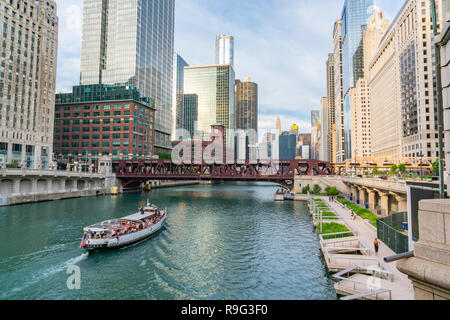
x: 69, y: 44
x: 281, y: 44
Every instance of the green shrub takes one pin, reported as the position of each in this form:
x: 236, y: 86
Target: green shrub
x: 317, y: 189
x: 332, y: 191
x: 332, y: 227
x: 306, y: 189
x: 363, y: 213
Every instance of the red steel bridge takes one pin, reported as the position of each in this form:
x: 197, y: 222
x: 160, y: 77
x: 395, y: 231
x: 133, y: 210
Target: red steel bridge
x: 134, y: 172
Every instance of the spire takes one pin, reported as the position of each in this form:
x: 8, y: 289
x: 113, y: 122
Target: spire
x: 278, y: 125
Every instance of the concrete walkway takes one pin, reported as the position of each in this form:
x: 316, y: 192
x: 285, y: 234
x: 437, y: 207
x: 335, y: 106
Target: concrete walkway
x: 402, y: 288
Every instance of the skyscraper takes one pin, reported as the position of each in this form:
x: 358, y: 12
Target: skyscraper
x: 361, y: 134
x: 131, y: 42
x: 224, y: 53
x: 355, y: 17
x: 278, y: 125
x: 190, y: 113
x: 27, y: 86
x: 246, y: 97
x: 315, y: 133
x: 402, y: 84
x: 338, y: 131
x: 177, y: 94
x: 214, y: 87
x: 324, y: 110
x: 329, y: 117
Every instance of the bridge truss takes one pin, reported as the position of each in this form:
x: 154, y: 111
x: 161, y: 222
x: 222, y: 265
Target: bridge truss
x: 132, y: 173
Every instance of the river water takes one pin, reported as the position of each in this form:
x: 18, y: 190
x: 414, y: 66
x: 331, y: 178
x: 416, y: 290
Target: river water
x: 226, y: 241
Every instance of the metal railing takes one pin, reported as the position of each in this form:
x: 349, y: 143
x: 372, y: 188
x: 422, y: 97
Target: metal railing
x: 358, y: 286
x: 393, y: 238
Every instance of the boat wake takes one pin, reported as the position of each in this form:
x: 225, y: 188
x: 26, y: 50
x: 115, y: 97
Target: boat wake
x: 51, y: 271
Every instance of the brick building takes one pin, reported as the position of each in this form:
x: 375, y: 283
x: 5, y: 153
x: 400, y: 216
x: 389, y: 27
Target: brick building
x: 101, y: 120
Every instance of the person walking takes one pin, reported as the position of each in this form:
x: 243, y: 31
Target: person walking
x: 376, y: 244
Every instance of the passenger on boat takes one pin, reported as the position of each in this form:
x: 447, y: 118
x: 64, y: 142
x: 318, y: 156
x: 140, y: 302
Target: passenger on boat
x: 142, y: 210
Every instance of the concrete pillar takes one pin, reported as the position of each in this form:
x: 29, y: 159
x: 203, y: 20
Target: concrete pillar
x: 354, y: 193
x: 9, y: 158
x: 402, y: 204
x: 34, y: 188
x: 23, y: 161
x: 372, y: 201
x: 49, y: 185
x: 362, y: 197
x: 384, y: 204
x: 429, y: 268
x: 16, y: 187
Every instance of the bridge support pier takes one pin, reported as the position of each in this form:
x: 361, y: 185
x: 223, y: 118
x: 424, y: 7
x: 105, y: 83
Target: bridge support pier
x: 372, y: 201
x: 362, y: 196
x: 384, y: 204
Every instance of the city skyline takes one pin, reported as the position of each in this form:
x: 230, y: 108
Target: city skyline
x: 288, y: 91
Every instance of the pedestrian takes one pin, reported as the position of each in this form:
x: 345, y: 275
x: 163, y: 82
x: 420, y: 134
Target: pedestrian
x: 376, y: 244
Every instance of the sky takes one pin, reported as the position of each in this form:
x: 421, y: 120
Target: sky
x: 282, y: 45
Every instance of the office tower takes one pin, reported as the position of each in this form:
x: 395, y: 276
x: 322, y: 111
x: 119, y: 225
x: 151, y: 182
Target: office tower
x: 401, y: 80
x: 224, y: 51
x: 324, y: 110
x: 315, y: 133
x: 338, y: 152
x: 329, y: 117
x: 360, y: 115
x: 246, y: 108
x: 355, y: 17
x: 287, y: 146
x: 278, y: 125
x: 131, y: 42
x: 101, y: 120
x: 27, y: 86
x: 304, y: 145
x: 190, y: 113
x: 214, y: 87
x: 445, y: 72
x: 177, y: 93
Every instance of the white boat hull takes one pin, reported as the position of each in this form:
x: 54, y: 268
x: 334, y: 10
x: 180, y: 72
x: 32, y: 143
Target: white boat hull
x: 124, y: 240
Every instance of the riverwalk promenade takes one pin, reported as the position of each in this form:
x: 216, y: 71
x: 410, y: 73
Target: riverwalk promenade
x: 401, y: 287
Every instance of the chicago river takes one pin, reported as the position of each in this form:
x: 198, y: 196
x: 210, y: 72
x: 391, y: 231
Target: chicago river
x: 225, y: 241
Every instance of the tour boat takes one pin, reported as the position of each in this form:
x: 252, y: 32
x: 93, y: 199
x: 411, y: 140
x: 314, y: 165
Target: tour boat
x: 114, y: 234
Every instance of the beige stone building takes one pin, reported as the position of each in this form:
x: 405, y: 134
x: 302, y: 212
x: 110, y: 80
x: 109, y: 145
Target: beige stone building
x: 360, y: 120
x: 330, y: 115
x: 360, y: 95
x: 27, y: 82
x: 339, y: 141
x: 445, y: 73
x: 385, y: 98
x: 403, y: 102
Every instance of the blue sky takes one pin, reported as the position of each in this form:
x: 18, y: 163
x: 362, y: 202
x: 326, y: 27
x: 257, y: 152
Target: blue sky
x: 281, y: 44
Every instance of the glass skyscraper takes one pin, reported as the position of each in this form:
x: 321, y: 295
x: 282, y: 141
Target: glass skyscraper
x: 214, y: 87
x: 190, y: 113
x: 131, y: 42
x: 177, y: 93
x: 355, y: 17
x: 224, y: 50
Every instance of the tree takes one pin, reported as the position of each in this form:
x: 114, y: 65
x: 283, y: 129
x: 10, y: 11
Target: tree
x: 402, y: 169
x: 394, y: 169
x: 317, y: 189
x: 375, y: 171
x: 436, y: 168
x: 306, y: 189
x: 332, y: 191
